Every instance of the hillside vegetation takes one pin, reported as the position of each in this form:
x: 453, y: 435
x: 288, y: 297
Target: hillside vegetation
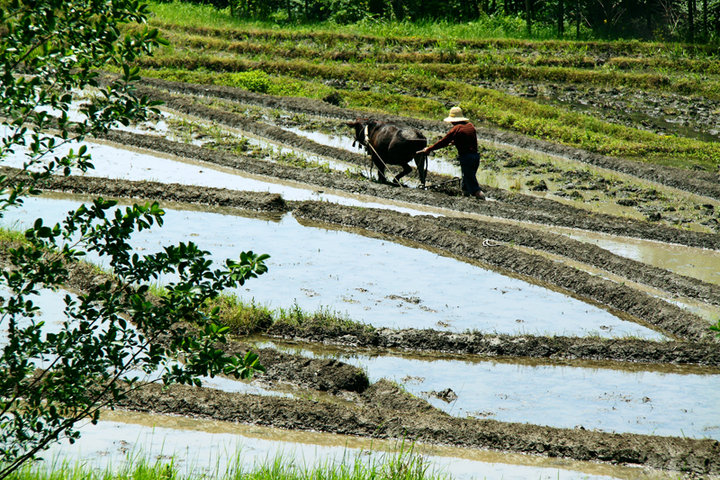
x: 655, y: 102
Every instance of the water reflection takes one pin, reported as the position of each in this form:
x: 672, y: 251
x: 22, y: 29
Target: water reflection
x: 370, y: 280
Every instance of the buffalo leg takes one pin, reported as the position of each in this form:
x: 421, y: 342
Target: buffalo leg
x: 381, y: 169
x: 421, y: 163
x: 405, y: 170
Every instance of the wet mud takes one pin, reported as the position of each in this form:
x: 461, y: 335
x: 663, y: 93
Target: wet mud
x: 499, y: 345
x: 385, y: 411
x: 508, y: 205
x: 431, y: 233
x: 663, y: 113
x: 324, y: 375
x: 663, y: 316
x: 698, y: 182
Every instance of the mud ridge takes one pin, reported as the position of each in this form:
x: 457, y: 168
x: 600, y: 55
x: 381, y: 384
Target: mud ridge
x: 509, y: 205
x: 663, y: 315
x: 149, y: 190
x: 325, y: 375
x: 384, y: 411
x: 500, y: 345
x: 589, y: 254
x: 698, y: 182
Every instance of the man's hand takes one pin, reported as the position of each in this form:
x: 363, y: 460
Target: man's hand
x: 424, y: 150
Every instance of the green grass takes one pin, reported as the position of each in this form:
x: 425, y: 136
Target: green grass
x: 498, y: 31
x: 426, y: 71
x: 401, y: 465
x: 207, y: 16
x: 245, y: 318
x: 11, y: 237
x: 513, y: 113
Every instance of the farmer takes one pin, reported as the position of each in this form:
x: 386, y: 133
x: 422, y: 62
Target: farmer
x: 464, y: 136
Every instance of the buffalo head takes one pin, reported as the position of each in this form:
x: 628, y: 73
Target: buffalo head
x: 359, y: 125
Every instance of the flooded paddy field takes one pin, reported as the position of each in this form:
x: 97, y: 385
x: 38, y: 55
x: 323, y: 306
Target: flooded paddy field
x: 210, y: 447
x: 294, y: 233
x: 554, y: 179
x: 427, y: 272
x: 323, y: 274
x: 594, y: 396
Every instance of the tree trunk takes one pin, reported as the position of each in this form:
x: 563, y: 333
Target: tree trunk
x: 577, y: 19
x: 528, y: 16
x: 691, y: 21
x: 705, y: 20
x: 561, y: 17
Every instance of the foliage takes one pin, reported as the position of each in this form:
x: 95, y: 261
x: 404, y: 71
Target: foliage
x: 253, y: 80
x: 645, y: 19
x: 716, y: 328
x: 115, y: 332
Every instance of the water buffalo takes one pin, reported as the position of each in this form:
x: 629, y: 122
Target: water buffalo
x: 390, y: 144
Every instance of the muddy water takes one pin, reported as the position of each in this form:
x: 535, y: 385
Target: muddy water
x: 129, y: 164
x: 213, y: 447
x: 370, y: 280
x: 700, y: 263
x: 705, y: 310
x: 337, y: 141
x: 677, y: 402
x: 694, y: 262
x: 595, y: 200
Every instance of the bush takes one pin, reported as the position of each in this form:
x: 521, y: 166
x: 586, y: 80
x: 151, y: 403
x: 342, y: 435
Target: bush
x: 253, y: 80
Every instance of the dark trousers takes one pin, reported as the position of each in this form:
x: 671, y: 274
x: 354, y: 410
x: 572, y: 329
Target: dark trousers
x: 469, y: 163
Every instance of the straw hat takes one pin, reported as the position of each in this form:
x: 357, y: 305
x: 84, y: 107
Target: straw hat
x: 456, y: 115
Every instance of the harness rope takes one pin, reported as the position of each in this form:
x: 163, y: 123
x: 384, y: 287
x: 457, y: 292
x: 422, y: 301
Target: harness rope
x: 368, y: 144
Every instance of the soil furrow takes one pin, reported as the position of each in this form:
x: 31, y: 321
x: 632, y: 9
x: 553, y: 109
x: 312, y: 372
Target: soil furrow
x: 385, y: 411
x: 515, y: 346
x: 698, y: 182
x: 659, y: 313
x: 509, y: 205
x: 662, y: 315
x: 589, y: 254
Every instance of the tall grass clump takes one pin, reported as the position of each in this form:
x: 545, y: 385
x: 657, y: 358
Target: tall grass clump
x: 241, y: 317
x: 247, y: 318
x: 404, y: 464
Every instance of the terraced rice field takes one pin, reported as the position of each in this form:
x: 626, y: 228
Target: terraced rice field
x: 565, y: 320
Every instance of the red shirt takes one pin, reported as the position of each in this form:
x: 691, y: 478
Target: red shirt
x: 463, y: 135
